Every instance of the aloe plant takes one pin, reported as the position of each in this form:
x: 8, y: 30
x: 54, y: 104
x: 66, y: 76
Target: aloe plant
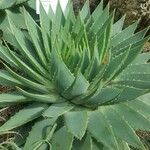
x: 80, y: 80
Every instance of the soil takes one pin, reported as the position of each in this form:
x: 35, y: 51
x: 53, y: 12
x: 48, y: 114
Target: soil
x: 145, y: 137
x: 6, y: 114
x: 78, y: 4
x: 147, y: 47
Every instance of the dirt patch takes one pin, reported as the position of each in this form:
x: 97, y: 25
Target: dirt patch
x: 78, y: 4
x: 5, y: 115
x: 143, y: 134
x: 147, y: 47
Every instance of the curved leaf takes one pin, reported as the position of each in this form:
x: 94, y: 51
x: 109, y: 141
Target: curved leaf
x: 76, y: 122
x: 38, y: 134
x: 57, y: 110
x: 24, y: 116
x: 59, y: 142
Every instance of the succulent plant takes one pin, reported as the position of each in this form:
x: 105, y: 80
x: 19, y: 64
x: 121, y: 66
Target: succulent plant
x: 80, y: 80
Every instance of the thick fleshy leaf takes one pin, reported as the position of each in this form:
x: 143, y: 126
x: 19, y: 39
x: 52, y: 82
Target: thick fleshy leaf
x: 125, y: 34
x: 84, y: 144
x: 115, y: 65
x: 4, y: 54
x: 97, y: 145
x: 46, y: 98
x: 133, y: 116
x: 104, y: 95
x: 20, y: 37
x: 45, y: 29
x: 63, y: 77
x: 24, y: 116
x: 128, y: 93
x: 135, y: 38
x: 98, y: 11
x: 58, y: 19
x: 117, y: 27
x: 79, y: 86
x: 96, y: 26
x: 62, y: 139
x: 24, y: 133
x: 7, y: 79
x: 27, y: 83
x: 38, y: 134
x: 101, y: 130
x: 35, y: 34
x: 141, y: 59
x: 27, y: 69
x: 57, y: 110
x: 71, y: 119
x: 141, y: 105
x: 121, y: 128
x: 85, y: 12
x: 12, y: 98
x: 6, y: 4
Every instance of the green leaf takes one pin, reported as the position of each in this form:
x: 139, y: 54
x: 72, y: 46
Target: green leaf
x: 136, y: 49
x: 141, y: 59
x: 145, y: 98
x: 133, y: 116
x: 7, y: 79
x: 59, y: 142
x: 132, y: 40
x: 85, y: 12
x: 57, y: 110
x: 6, y: 3
x: 97, y: 25
x: 36, y: 36
x: 135, y: 83
x: 84, y: 60
x: 27, y: 83
x: 107, y: 28
x: 117, y: 27
x: 121, y: 127
x: 121, y: 144
x: 24, y: 116
x: 27, y: 69
x: 84, y: 144
x: 140, y: 106
x: 78, y: 87
x: 59, y: 18
x: 101, y: 130
x: 76, y: 122
x: 39, y: 132
x: 20, y: 1
x: 128, y: 93
x: 122, y: 36
x: 24, y: 133
x: 96, y: 145
x: 4, y: 54
x: 25, y: 47
x: 104, y: 95
x: 135, y: 77
x: 63, y: 77
x: 45, y: 23
x: 12, y: 98
x: 16, y: 17
x: 46, y: 98
x: 98, y: 11
x: 115, y: 65
x: 136, y: 69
